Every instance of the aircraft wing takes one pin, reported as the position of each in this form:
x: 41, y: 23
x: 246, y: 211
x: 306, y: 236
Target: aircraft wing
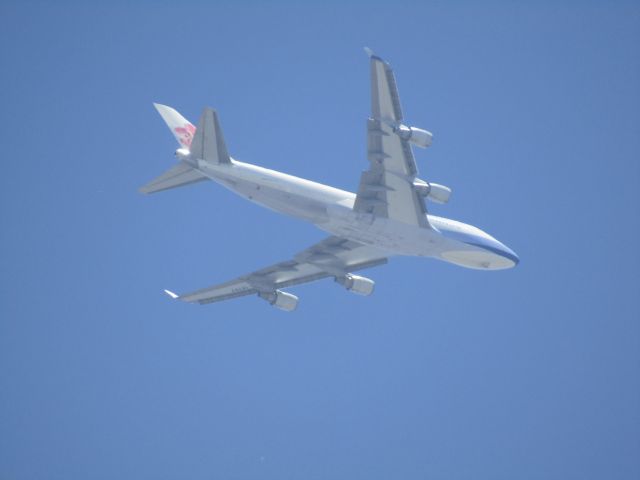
x: 387, y: 189
x: 332, y: 257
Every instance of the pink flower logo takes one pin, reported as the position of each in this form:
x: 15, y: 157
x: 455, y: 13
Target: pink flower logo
x: 185, y: 134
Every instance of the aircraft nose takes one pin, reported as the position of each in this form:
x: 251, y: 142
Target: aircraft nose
x: 510, y: 254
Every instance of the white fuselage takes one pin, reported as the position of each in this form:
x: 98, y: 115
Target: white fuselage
x: 331, y: 210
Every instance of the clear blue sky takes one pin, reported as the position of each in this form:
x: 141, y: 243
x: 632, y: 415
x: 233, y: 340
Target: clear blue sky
x: 444, y: 372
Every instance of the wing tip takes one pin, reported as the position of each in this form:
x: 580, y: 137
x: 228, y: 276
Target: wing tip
x: 371, y: 54
x: 171, y: 294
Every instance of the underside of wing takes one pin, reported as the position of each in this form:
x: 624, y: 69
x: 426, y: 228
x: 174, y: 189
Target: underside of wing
x: 387, y: 188
x: 333, y: 257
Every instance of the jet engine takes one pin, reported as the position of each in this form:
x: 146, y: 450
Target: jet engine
x: 282, y: 300
x: 433, y: 191
x: 357, y: 284
x: 419, y: 137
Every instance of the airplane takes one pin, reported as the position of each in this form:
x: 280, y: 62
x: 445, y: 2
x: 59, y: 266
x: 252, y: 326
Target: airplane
x: 386, y: 217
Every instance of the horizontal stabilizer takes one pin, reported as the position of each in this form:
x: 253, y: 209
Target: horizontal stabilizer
x: 178, y: 176
x: 208, y: 141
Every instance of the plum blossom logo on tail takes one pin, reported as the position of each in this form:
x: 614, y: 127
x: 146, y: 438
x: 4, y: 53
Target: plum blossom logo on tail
x: 185, y: 134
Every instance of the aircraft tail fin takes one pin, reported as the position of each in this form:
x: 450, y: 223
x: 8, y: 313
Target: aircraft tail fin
x: 177, y: 176
x: 204, y: 143
x: 181, y: 128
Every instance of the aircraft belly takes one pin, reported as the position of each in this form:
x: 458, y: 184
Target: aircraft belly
x: 281, y: 201
x: 392, y: 236
x: 476, y: 258
x: 339, y: 218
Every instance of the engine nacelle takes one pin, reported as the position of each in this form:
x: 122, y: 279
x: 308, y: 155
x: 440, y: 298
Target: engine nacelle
x: 282, y: 300
x: 439, y: 193
x: 433, y: 191
x: 419, y: 137
x: 357, y: 284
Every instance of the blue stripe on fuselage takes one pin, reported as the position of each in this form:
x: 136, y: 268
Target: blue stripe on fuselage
x: 478, y: 241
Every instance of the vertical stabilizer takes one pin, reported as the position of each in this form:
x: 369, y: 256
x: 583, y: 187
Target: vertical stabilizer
x: 181, y: 128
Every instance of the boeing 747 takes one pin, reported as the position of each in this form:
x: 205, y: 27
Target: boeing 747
x: 385, y: 218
